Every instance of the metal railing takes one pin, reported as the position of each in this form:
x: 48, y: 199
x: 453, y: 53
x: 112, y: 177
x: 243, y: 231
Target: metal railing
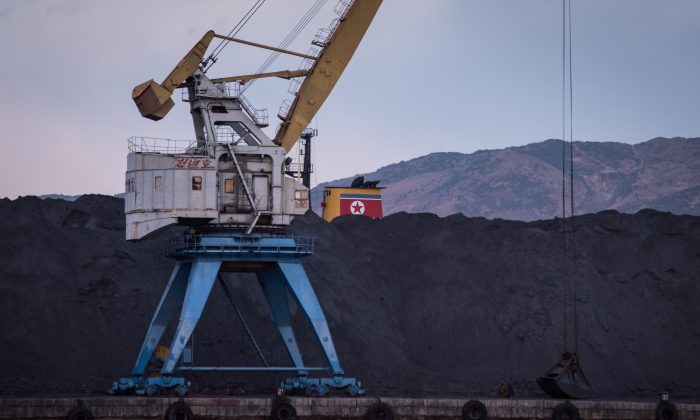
x: 284, y: 109
x: 320, y: 40
x: 334, y: 25
x: 294, y: 85
x: 239, y: 245
x: 341, y: 9
x: 309, y: 132
x: 233, y: 90
x: 259, y: 116
x: 158, y: 145
x: 297, y: 167
x: 305, y: 65
x: 230, y: 90
x: 322, y: 36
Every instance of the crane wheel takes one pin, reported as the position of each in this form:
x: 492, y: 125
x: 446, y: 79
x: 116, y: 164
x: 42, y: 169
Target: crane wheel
x: 666, y: 410
x: 322, y: 390
x: 474, y: 410
x: 181, y: 390
x: 179, y: 411
x: 380, y: 410
x: 565, y: 411
x: 151, y: 390
x: 79, y: 413
x: 352, y: 390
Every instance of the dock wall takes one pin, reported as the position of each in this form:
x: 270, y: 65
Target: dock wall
x: 109, y: 408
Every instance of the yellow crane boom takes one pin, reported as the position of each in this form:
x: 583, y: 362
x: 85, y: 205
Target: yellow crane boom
x: 326, y: 71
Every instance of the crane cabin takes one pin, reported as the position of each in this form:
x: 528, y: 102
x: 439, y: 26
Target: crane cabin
x: 232, y: 174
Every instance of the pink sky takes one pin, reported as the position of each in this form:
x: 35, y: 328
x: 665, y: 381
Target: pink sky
x: 445, y: 75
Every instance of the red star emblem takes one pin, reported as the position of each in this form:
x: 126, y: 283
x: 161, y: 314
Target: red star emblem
x: 357, y: 207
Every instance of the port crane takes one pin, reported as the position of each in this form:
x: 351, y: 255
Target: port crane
x: 230, y: 187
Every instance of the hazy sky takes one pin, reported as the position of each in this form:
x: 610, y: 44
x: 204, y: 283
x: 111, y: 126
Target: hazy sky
x: 431, y: 75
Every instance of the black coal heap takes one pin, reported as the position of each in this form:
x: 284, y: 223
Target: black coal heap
x: 418, y: 305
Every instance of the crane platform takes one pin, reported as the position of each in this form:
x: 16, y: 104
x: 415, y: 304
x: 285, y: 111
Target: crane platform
x: 207, y: 407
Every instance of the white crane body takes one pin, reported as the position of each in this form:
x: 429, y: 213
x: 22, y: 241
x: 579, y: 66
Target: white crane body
x: 203, y: 182
x: 233, y: 175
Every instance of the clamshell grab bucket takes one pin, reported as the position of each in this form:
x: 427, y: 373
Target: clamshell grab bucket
x: 566, y: 380
x: 152, y: 100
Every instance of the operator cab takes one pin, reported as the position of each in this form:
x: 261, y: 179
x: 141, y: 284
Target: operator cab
x: 232, y: 173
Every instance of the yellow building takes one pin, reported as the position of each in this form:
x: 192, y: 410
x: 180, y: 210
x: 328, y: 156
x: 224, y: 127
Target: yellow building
x: 358, y: 201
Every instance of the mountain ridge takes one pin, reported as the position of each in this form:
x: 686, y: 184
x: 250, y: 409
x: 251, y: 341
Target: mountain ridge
x: 525, y: 182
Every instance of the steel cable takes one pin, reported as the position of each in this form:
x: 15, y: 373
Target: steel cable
x: 563, y: 165
x: 224, y: 42
x: 571, y: 182
x: 569, y: 242
x: 291, y: 36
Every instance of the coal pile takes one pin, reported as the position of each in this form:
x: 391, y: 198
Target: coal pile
x: 418, y: 305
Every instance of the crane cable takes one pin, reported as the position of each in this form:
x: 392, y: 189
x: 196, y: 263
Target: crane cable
x: 569, y: 258
x: 571, y: 183
x: 291, y: 36
x: 209, y: 61
x: 565, y: 266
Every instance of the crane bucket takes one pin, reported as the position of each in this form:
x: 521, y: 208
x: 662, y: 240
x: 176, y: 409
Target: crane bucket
x: 152, y: 100
x: 566, y: 379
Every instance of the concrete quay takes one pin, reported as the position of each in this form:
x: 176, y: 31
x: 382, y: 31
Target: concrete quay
x: 127, y: 407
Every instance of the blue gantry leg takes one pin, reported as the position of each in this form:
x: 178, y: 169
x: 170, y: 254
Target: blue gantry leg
x: 202, y: 277
x: 169, y: 304
x: 273, y: 284
x: 293, y: 274
x: 300, y: 286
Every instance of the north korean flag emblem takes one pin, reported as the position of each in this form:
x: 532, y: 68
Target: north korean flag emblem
x: 367, y: 204
x: 357, y: 207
